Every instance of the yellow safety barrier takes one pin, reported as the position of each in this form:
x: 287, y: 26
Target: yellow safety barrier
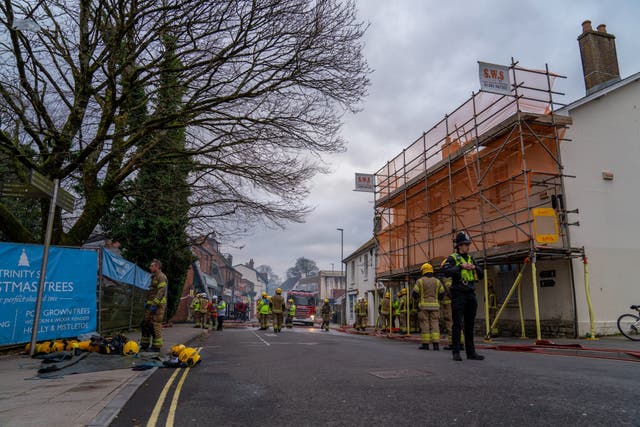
x: 534, y: 277
x: 486, y: 302
x: 516, y: 284
x: 523, y: 334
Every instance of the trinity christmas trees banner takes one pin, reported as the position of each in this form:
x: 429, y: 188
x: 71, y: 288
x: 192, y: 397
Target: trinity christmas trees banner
x: 69, y: 298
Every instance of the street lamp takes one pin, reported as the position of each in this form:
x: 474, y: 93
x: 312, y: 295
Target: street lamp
x: 344, y: 300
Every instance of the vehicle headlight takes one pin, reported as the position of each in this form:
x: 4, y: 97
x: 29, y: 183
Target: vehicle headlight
x: 313, y: 317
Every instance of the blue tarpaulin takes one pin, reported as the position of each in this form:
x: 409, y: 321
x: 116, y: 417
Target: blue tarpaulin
x: 123, y: 271
x: 69, y: 298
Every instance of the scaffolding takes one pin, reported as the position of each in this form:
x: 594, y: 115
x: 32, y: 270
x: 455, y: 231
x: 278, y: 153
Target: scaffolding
x: 488, y: 168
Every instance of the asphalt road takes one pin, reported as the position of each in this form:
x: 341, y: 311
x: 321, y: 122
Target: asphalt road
x: 305, y: 377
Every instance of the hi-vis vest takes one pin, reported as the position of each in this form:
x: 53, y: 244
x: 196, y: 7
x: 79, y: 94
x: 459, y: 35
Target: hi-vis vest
x: 264, y: 306
x: 428, y: 288
x: 292, y: 310
x: 467, y: 276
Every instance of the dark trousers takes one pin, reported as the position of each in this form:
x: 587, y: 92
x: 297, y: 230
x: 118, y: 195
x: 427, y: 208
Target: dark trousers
x: 463, y: 306
x: 220, y: 322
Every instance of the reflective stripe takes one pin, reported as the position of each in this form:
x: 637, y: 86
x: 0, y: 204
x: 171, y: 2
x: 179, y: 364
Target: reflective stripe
x: 465, y: 275
x: 162, y: 284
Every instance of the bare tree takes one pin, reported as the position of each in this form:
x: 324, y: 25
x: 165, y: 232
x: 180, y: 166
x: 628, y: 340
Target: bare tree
x: 266, y: 84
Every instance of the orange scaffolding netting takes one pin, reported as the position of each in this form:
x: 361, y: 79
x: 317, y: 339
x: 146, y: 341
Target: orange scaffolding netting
x: 483, y: 168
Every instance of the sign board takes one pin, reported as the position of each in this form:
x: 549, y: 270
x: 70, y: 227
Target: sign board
x: 69, y: 300
x: 545, y: 225
x: 494, y: 78
x: 365, y: 182
x: 65, y: 200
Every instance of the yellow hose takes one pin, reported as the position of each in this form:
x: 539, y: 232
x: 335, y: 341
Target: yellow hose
x: 516, y: 284
x: 486, y: 303
x: 523, y: 334
x: 592, y: 333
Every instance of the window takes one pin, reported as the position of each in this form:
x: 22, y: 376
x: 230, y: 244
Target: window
x: 366, y: 266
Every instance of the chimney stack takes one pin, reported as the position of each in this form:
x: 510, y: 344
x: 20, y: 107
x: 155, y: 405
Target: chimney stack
x: 599, y: 58
x: 251, y: 263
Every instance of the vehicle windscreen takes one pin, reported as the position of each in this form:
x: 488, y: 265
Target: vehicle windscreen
x: 303, y: 300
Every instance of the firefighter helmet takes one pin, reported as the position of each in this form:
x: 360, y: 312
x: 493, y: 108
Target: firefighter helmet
x: 57, y: 345
x: 84, y: 345
x: 387, y: 294
x: 189, y: 356
x: 130, y: 348
x: 278, y: 291
x: 264, y: 294
x: 177, y: 349
x: 426, y: 268
x: 71, y: 345
x: 290, y: 300
x: 326, y: 300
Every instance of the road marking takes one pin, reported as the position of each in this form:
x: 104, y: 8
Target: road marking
x: 153, y: 419
x: 260, y: 338
x: 174, y: 401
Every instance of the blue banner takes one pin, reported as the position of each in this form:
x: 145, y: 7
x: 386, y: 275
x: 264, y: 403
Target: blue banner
x: 69, y: 298
x: 119, y: 269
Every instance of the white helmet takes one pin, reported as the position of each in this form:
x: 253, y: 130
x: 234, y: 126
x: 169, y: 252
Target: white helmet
x: 215, y: 298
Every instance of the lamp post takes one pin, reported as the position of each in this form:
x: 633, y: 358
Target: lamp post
x: 344, y: 300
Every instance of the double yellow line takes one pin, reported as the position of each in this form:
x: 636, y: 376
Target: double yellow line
x: 153, y: 419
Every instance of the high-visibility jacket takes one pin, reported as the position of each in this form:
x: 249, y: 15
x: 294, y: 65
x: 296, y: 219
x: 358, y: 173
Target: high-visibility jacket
x: 277, y: 304
x: 195, y: 304
x: 222, y: 309
x: 462, y: 280
x: 264, y: 306
x: 292, y: 310
x: 212, y: 309
x: 427, y: 289
x: 157, y: 294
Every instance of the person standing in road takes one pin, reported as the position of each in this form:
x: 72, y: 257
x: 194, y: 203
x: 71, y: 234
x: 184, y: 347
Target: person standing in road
x: 212, y: 312
x: 401, y: 310
x: 204, y: 315
x: 445, y: 306
x: 427, y: 290
x: 291, y: 310
x: 222, y: 313
x: 361, y: 314
x: 263, y: 312
x: 385, y: 312
x: 195, y: 309
x: 464, y: 273
x: 154, y: 308
x: 325, y: 311
x: 277, y: 308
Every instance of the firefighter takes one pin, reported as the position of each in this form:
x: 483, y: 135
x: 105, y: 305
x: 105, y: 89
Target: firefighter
x: 195, y: 309
x: 154, y: 308
x: 291, y: 313
x: 445, y: 307
x: 385, y: 311
x: 204, y: 314
x: 362, y: 311
x: 427, y: 290
x: 464, y: 273
x: 277, y: 308
x: 414, y: 326
x: 212, y: 313
x: 263, y: 308
x: 325, y: 311
x: 222, y: 312
x: 401, y: 311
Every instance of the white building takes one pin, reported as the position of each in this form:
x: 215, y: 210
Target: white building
x: 361, y: 276
x: 329, y: 284
x: 250, y: 274
x: 604, y: 156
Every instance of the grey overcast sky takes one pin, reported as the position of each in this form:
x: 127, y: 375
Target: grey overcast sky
x: 424, y: 55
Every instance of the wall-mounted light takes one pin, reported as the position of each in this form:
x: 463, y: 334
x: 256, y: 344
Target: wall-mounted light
x: 607, y: 175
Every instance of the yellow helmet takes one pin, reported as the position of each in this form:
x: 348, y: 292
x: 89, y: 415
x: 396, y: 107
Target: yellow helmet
x: 403, y: 291
x: 278, y: 291
x: 71, y: 345
x: 177, y: 349
x: 290, y: 300
x: 84, y: 345
x: 326, y: 300
x: 264, y: 294
x: 57, y: 345
x: 130, y: 348
x: 269, y: 297
x: 426, y: 268
x: 387, y: 294
x: 189, y: 356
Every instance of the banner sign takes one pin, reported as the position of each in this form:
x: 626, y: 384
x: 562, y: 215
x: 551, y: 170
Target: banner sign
x: 365, y: 182
x: 494, y: 78
x: 69, y: 298
x: 119, y: 269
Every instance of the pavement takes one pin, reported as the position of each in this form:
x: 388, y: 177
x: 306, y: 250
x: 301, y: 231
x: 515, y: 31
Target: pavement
x: 95, y: 399
x: 90, y: 399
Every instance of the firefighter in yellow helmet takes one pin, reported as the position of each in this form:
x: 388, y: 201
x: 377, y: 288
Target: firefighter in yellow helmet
x: 401, y: 312
x: 385, y: 311
x: 277, y: 308
x: 204, y: 315
x: 195, y: 310
x: 291, y: 313
x: 263, y: 311
x: 154, y: 308
x: 426, y: 291
x: 325, y: 311
x: 445, y: 307
x: 362, y: 312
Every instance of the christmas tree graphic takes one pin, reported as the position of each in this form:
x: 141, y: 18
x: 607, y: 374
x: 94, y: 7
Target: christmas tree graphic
x: 24, y: 260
